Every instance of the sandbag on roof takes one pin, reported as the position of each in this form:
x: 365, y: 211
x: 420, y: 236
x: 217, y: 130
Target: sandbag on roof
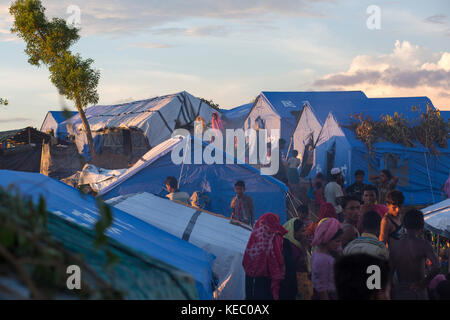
x: 213, y: 233
x: 134, y: 233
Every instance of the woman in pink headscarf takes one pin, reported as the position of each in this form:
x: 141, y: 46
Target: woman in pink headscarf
x: 327, y: 239
x: 216, y: 123
x: 268, y: 262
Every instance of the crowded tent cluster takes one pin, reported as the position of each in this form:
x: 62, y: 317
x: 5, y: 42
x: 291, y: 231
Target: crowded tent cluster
x: 224, y: 230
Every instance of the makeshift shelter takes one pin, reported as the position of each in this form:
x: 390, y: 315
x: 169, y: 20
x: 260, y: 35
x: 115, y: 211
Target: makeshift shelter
x: 213, y: 233
x: 53, y: 119
x: 420, y: 173
x: 215, y: 180
x: 437, y: 218
x: 270, y: 113
x: 133, y: 128
x: 306, y: 137
x: 21, y: 149
x: 234, y: 118
x: 67, y: 202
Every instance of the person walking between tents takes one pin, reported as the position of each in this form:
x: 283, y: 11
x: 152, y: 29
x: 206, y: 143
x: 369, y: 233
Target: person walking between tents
x: 268, y: 262
x: 299, y: 244
x: 327, y: 239
x: 242, y: 206
x: 333, y: 191
x: 174, y: 193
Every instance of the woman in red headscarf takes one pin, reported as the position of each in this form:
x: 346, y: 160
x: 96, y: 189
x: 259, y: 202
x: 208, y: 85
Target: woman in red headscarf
x: 268, y: 262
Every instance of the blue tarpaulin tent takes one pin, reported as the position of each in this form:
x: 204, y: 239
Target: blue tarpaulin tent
x: 234, y: 118
x: 69, y: 204
x: 282, y: 110
x: 421, y: 173
x: 53, y: 119
x: 215, y: 180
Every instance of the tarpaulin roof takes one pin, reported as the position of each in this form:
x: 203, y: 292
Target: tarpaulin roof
x: 213, y: 233
x: 376, y: 107
x: 437, y: 218
x: 322, y: 102
x: 54, y: 118
x: 69, y: 204
x: 156, y: 117
x: 344, y: 103
x: 215, y: 180
x: 235, y: 117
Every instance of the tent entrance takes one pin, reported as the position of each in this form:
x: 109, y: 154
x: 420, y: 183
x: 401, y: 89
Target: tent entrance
x: 331, y: 153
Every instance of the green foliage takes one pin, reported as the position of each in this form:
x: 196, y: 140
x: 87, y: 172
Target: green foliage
x: 432, y: 128
x: 48, y: 43
x: 75, y: 79
x: 211, y: 104
x: 3, y: 102
x: 429, y: 130
x: 30, y: 254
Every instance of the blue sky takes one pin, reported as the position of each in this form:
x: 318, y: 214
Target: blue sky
x: 230, y: 50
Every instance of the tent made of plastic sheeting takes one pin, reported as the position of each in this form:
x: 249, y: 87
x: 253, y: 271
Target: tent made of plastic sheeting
x: 130, y: 231
x: 281, y: 116
x: 421, y: 173
x: 157, y: 118
x: 437, y: 218
x: 321, y: 102
x: 445, y: 115
x: 213, y: 233
x: 306, y: 137
x: 234, y: 118
x: 53, y: 119
x: 215, y: 180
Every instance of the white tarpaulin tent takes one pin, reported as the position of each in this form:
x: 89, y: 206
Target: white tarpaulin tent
x: 213, y: 233
x: 437, y: 218
x: 157, y: 118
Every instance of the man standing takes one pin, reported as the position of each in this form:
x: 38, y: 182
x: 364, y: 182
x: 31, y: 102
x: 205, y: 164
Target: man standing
x: 351, y: 207
x: 385, y: 183
x: 368, y: 243
x: 408, y: 259
x: 242, y: 205
x: 370, y: 196
x: 174, y: 193
x: 357, y: 188
x: 333, y: 191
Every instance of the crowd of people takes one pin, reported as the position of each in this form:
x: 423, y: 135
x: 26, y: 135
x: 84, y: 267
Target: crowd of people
x: 337, y: 236
x: 326, y: 252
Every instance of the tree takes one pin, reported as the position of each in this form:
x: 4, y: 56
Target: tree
x: 48, y: 43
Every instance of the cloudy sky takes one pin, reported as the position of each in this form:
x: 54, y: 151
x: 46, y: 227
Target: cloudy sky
x: 230, y: 50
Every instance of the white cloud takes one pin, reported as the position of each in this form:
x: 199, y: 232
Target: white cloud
x: 408, y: 71
x: 125, y: 17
